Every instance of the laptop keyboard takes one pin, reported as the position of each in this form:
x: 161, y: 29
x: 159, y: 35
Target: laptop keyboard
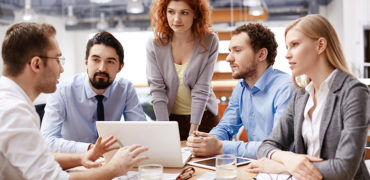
x: 185, y: 154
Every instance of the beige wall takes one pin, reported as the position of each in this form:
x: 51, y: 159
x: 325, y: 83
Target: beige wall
x: 349, y: 17
x: 71, y: 43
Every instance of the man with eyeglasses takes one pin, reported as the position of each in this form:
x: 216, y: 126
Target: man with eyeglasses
x: 60, y: 59
x: 32, y: 65
x: 69, y: 122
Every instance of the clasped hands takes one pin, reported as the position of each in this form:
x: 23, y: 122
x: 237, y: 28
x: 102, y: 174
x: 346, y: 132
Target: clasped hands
x: 204, y: 144
x: 298, y: 165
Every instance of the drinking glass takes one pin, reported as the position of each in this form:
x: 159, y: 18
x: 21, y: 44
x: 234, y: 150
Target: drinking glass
x: 150, y: 172
x: 226, y: 167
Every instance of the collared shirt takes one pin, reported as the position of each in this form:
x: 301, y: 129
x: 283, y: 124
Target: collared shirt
x: 257, y: 109
x: 23, y: 152
x: 69, y: 123
x: 311, y: 128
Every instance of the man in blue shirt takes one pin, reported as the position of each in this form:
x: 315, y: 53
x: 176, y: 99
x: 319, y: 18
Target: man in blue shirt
x: 69, y: 123
x: 257, y: 101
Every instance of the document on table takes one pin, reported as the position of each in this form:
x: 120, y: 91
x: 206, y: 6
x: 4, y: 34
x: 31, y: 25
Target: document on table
x: 134, y: 175
x: 207, y: 176
x: 275, y: 176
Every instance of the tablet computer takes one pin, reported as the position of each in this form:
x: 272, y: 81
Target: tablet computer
x: 210, y: 163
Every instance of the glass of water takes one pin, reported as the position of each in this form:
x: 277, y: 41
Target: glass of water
x: 226, y: 167
x: 150, y: 172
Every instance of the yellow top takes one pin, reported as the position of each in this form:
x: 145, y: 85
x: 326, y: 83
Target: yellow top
x: 182, y: 105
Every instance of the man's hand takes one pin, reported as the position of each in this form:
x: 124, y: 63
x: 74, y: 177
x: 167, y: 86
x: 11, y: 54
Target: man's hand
x: 204, y: 144
x: 298, y: 165
x: 126, y: 158
x: 265, y: 165
x: 88, y: 159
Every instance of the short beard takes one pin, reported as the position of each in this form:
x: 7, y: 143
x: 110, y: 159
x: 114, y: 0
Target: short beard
x: 100, y: 83
x: 250, y: 72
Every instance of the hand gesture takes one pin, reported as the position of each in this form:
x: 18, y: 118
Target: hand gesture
x: 100, y: 147
x: 126, y: 158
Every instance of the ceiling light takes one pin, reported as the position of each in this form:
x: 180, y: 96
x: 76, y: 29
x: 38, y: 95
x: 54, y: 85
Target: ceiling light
x: 120, y: 26
x: 71, y: 20
x: 256, y: 11
x: 100, y: 1
x: 135, y: 7
x: 251, y: 3
x: 28, y: 14
x: 102, y: 24
x: 255, y: 7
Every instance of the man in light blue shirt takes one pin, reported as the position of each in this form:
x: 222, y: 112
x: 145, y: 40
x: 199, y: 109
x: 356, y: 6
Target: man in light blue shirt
x: 69, y: 123
x: 257, y: 101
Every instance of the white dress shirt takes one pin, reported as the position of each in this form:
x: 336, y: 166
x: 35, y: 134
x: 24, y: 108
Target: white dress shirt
x: 23, y: 152
x: 311, y: 127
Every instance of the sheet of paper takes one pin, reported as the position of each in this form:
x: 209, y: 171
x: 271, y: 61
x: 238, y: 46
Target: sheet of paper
x: 275, y: 176
x: 134, y: 175
x: 208, y: 176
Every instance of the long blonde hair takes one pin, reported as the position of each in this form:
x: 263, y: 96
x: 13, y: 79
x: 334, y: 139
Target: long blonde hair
x: 315, y: 26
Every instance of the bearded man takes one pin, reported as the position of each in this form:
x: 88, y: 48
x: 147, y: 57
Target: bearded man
x: 257, y: 101
x: 69, y: 122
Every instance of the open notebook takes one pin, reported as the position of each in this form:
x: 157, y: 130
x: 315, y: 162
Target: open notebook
x: 162, y: 138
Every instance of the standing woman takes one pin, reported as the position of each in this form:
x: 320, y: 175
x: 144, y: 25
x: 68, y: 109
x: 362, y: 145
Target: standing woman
x: 180, y: 62
x: 327, y: 120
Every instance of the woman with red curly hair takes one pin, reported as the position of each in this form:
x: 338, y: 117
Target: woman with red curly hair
x: 180, y: 62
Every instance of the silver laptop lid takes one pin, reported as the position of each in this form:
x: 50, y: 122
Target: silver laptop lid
x: 162, y: 138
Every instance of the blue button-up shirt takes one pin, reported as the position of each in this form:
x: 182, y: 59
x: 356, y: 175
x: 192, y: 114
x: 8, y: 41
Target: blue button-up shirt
x: 257, y: 109
x: 69, y: 123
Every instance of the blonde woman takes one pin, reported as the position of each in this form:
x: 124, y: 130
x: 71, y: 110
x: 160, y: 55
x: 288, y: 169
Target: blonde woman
x: 180, y: 61
x: 326, y: 120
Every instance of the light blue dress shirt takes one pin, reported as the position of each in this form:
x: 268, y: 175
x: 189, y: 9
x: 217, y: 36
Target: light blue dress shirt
x: 257, y: 109
x: 69, y: 123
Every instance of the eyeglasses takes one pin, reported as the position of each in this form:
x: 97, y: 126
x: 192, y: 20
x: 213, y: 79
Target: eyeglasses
x: 186, y: 173
x: 61, y: 59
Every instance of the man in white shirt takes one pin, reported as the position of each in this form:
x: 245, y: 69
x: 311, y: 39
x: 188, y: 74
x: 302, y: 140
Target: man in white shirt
x: 32, y: 65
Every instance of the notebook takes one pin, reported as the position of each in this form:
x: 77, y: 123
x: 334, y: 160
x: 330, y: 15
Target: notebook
x: 162, y: 138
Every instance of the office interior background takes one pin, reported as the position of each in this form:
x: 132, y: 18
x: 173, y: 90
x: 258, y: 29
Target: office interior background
x: 128, y: 20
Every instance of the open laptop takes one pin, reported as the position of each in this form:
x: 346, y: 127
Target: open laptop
x: 162, y: 138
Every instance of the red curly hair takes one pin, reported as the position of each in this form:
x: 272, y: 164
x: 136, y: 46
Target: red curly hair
x: 163, y: 32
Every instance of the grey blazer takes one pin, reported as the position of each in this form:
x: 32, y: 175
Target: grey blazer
x: 164, y: 82
x: 343, y: 129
